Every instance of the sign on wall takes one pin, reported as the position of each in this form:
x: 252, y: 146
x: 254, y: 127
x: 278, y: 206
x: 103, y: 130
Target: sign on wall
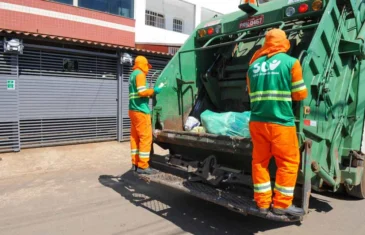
x: 10, y: 85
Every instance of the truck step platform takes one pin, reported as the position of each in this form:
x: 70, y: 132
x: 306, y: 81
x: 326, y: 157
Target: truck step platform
x: 231, y: 200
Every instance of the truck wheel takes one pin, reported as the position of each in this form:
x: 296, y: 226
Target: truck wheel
x: 357, y: 191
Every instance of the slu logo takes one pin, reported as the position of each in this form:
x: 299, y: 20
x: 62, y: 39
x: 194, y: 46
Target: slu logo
x: 264, y: 67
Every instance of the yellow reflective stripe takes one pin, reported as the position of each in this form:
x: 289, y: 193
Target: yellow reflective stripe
x: 270, y: 95
x: 144, y: 154
x: 283, y: 187
x: 298, y: 86
x: 134, y: 150
x: 284, y: 193
x: 141, y: 88
x: 287, y: 191
x: 274, y: 92
x: 297, y: 83
x: 134, y: 95
x: 262, y: 188
x: 270, y: 98
x: 301, y: 88
x: 263, y: 184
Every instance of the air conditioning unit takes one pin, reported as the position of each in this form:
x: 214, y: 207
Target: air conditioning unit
x: 13, y: 45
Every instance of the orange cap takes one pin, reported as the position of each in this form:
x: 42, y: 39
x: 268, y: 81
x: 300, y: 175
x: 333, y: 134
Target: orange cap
x: 141, y: 63
x: 275, y: 42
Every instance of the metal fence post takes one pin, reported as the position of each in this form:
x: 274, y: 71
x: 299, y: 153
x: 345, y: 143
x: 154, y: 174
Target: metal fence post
x: 120, y: 109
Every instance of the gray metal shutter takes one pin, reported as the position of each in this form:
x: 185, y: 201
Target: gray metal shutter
x: 9, y: 116
x: 158, y: 64
x: 126, y: 123
x: 62, y: 107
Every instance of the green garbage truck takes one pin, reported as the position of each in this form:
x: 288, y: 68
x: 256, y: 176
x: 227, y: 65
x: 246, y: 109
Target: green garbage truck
x: 209, y: 73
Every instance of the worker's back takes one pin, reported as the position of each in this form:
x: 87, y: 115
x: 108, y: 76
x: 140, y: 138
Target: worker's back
x: 270, y: 82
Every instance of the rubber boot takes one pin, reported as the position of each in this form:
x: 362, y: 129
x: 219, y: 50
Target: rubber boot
x: 291, y: 210
x: 263, y: 211
x: 147, y: 171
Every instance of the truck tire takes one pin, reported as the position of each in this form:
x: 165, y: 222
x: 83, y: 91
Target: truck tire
x: 357, y: 191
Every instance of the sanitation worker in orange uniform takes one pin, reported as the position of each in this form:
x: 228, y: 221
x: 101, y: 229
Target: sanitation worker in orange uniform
x: 275, y: 80
x: 139, y: 113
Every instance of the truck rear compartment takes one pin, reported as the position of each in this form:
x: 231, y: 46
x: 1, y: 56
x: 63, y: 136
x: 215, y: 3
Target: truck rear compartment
x: 214, y: 160
x: 211, y: 71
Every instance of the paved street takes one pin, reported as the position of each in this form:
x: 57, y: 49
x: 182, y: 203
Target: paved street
x: 75, y: 190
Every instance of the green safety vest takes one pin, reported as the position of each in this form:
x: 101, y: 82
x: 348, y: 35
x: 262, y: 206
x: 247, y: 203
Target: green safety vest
x: 137, y: 103
x: 271, y: 89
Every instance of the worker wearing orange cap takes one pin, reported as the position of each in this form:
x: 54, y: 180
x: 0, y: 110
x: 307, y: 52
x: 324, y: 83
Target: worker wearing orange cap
x: 274, y: 80
x: 139, y: 113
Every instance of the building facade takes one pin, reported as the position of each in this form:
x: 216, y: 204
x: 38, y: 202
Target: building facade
x: 62, y: 80
x: 164, y: 25
x: 61, y: 18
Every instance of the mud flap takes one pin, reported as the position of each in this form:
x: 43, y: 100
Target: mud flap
x: 307, y: 172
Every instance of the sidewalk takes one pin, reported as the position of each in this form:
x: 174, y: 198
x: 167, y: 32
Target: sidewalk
x: 71, y: 158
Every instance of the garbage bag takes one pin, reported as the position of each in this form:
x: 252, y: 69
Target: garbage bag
x: 190, y: 123
x: 228, y: 123
x: 198, y: 129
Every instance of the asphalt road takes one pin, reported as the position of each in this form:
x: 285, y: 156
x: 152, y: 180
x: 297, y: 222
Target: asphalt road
x: 77, y: 190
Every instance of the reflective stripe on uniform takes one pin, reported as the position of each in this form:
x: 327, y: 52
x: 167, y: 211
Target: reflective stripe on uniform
x: 134, y: 151
x: 134, y: 96
x: 287, y: 191
x: 144, y: 154
x: 141, y: 88
x: 298, y: 86
x: 270, y: 95
x: 262, y: 188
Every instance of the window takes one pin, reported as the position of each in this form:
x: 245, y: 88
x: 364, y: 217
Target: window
x: 177, y: 25
x: 155, y: 19
x: 64, y: 1
x: 117, y: 7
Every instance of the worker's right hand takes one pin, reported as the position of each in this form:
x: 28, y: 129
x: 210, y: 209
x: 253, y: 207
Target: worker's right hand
x: 157, y: 90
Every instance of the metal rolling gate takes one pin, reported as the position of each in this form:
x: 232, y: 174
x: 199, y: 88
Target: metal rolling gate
x: 158, y: 64
x: 43, y: 104
x: 9, y: 113
x: 58, y: 106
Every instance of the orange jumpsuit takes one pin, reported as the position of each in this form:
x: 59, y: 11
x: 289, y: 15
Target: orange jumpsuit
x: 139, y: 113
x: 274, y: 80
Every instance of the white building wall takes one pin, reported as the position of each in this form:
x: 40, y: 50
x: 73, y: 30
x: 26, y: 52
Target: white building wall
x: 170, y: 9
x: 192, y: 12
x: 174, y: 9
x: 207, y: 14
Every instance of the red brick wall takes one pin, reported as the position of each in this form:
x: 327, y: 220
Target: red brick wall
x: 159, y: 48
x: 15, y: 20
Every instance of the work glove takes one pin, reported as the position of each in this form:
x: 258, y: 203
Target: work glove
x: 157, y: 90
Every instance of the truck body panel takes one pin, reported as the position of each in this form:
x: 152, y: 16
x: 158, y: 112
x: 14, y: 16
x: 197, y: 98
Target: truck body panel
x: 209, y: 72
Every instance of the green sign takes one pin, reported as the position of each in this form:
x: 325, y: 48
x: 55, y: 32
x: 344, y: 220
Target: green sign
x: 11, y: 85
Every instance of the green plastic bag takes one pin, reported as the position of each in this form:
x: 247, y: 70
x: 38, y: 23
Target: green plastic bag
x: 228, y: 124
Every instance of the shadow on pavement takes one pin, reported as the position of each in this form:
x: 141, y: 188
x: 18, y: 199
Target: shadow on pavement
x: 192, y: 214
x: 319, y: 205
